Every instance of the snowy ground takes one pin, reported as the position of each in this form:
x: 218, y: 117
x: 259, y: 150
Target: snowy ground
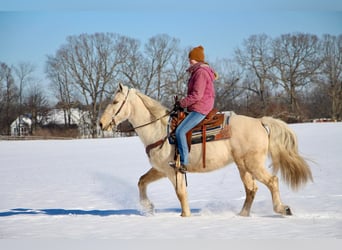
x: 87, y: 189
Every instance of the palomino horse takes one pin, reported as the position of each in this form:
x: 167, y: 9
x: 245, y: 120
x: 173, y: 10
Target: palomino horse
x: 250, y: 143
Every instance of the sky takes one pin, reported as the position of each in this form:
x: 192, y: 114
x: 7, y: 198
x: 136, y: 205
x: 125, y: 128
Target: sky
x: 31, y: 30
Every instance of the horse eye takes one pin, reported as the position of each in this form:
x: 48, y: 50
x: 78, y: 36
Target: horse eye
x: 115, y: 102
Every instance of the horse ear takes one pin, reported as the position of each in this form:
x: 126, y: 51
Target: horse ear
x: 121, y: 87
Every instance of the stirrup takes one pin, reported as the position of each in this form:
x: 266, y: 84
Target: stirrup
x: 181, y: 168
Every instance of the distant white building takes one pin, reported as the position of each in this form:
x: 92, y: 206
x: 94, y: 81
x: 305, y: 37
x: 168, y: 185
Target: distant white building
x: 21, y: 126
x: 78, y: 118
x: 60, y: 117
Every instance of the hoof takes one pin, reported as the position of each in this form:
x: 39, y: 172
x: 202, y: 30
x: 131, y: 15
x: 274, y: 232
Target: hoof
x: 185, y: 214
x: 288, y: 211
x: 283, y: 210
x: 147, y: 207
x: 244, y: 214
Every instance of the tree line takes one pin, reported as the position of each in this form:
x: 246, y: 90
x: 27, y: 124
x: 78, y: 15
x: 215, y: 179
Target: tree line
x: 295, y: 77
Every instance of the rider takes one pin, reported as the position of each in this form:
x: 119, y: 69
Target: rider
x: 198, y: 102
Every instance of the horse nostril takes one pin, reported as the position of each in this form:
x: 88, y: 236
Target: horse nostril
x: 100, y: 125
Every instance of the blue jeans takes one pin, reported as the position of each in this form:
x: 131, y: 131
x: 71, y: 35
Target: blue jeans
x: 187, y: 124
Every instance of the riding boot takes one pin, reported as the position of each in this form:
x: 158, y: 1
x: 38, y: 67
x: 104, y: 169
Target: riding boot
x: 182, y: 168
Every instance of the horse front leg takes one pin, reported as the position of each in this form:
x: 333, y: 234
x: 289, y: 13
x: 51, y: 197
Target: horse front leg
x: 150, y: 176
x: 179, y: 183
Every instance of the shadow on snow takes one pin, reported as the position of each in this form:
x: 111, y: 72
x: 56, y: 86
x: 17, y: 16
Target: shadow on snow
x: 60, y: 211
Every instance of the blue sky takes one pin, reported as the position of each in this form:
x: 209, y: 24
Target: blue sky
x: 30, y: 30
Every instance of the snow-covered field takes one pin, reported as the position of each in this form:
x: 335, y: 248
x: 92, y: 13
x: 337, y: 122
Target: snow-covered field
x: 87, y: 189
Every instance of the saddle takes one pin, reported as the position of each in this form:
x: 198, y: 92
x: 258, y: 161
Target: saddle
x: 215, y: 126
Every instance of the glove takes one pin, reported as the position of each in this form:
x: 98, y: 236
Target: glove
x: 177, y: 107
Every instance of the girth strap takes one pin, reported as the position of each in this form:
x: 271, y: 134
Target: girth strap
x: 154, y: 145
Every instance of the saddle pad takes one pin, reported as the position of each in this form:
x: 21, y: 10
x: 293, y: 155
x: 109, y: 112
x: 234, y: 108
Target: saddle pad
x: 215, y: 133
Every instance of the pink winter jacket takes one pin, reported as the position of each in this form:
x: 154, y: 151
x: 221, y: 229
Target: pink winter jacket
x: 201, y: 91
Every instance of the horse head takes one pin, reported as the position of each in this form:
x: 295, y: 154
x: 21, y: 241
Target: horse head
x: 116, y: 112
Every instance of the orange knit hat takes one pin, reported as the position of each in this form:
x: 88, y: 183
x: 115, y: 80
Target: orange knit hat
x: 197, y: 54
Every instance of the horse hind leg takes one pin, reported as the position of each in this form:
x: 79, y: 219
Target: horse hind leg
x: 271, y: 181
x: 150, y: 176
x: 250, y: 188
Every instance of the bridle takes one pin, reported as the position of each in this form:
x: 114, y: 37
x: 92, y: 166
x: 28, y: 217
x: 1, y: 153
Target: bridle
x: 140, y: 126
x: 149, y: 147
x: 122, y: 104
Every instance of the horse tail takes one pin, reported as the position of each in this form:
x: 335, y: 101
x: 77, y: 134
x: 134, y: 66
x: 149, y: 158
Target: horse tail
x: 283, y: 149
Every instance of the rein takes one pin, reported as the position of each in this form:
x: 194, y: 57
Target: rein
x: 140, y: 126
x: 146, y: 124
x: 151, y: 122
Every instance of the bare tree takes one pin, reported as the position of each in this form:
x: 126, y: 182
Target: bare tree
x: 92, y: 62
x: 317, y: 102
x: 36, y: 104
x: 23, y: 74
x: 331, y: 72
x: 266, y: 76
x: 61, y: 85
x: 8, y: 99
x: 158, y: 71
x: 176, y: 77
x: 159, y: 51
x: 296, y: 60
x: 227, y: 85
x: 131, y: 69
x: 256, y: 58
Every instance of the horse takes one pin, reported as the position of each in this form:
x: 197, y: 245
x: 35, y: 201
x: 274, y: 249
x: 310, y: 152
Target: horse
x: 252, y: 141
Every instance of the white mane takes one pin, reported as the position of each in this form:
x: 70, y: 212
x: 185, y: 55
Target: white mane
x: 156, y: 109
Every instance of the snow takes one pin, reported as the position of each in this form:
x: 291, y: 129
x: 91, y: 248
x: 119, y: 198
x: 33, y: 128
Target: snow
x: 87, y: 189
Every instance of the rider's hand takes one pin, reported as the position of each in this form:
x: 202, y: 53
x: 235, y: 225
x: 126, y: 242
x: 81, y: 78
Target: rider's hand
x: 177, y: 107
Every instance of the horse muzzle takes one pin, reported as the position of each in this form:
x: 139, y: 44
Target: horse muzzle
x: 107, y: 127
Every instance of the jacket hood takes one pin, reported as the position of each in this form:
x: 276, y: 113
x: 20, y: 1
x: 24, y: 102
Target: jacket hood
x: 203, y: 66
